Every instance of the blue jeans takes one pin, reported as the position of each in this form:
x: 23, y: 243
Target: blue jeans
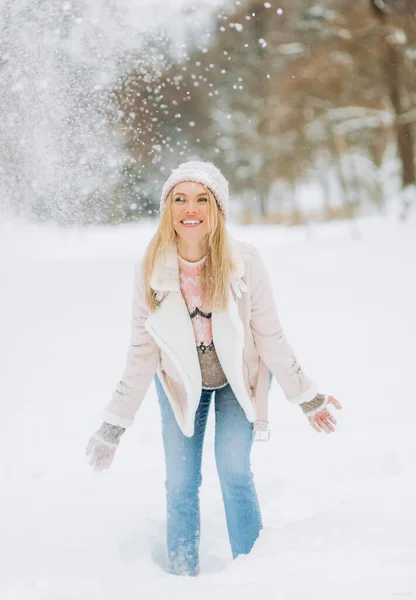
x: 183, y: 455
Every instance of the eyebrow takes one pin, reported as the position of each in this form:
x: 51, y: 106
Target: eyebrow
x: 181, y: 194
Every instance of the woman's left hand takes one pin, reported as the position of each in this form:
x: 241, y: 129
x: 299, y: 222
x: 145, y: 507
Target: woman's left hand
x: 323, y: 420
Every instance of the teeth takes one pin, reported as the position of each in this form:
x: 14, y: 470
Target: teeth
x: 191, y: 222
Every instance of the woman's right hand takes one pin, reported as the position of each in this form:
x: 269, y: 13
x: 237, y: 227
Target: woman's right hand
x: 318, y: 414
x: 103, y: 445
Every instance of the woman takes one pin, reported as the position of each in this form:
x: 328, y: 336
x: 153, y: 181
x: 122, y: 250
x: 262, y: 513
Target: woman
x: 205, y: 323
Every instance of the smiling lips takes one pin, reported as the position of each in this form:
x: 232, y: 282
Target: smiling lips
x: 191, y: 222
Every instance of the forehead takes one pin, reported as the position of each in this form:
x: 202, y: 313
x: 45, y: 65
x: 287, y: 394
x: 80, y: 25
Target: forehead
x: 189, y: 188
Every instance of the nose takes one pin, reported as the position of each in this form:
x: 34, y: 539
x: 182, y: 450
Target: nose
x: 191, y: 207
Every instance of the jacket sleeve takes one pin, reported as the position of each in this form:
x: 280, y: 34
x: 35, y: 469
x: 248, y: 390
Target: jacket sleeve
x: 142, y: 362
x: 271, y: 343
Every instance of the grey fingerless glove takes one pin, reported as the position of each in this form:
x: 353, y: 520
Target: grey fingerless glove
x: 315, y: 405
x: 110, y: 433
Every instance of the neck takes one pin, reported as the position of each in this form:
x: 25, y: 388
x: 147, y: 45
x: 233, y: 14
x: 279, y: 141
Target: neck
x: 192, y: 252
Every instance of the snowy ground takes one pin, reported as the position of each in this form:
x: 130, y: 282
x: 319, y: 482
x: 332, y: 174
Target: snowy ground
x: 338, y: 509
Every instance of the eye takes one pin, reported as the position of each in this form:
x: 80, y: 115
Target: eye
x: 204, y: 200
x: 179, y: 199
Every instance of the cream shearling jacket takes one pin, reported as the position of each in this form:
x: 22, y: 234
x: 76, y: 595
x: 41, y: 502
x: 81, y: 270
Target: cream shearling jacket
x: 247, y: 336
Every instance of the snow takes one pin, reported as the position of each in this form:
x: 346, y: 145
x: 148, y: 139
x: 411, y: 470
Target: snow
x: 61, y: 64
x: 338, y: 509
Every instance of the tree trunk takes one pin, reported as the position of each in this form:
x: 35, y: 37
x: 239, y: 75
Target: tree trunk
x: 263, y: 194
x: 404, y: 133
x: 339, y: 145
x: 323, y: 179
x: 393, y: 68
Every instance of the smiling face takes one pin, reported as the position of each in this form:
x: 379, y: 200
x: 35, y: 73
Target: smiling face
x: 190, y: 211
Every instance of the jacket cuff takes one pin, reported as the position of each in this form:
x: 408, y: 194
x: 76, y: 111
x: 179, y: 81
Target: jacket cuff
x: 306, y: 396
x: 113, y: 419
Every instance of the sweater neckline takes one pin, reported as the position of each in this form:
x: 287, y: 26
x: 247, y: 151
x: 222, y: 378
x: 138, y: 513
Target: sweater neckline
x: 192, y: 267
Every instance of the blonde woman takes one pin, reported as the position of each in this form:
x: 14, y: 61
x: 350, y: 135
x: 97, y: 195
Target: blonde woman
x: 205, y: 324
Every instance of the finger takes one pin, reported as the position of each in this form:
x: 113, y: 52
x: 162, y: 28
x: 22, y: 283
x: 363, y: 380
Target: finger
x: 314, y: 424
x: 322, y: 421
x: 99, y: 464
x: 332, y: 400
x: 93, y: 459
x: 324, y: 428
x: 107, y: 462
x: 104, y: 461
x: 328, y: 427
x: 96, y: 457
x: 325, y: 419
x: 89, y: 446
x: 330, y: 417
x: 110, y: 457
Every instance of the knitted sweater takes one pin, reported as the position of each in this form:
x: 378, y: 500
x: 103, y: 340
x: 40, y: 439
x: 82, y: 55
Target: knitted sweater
x: 191, y: 279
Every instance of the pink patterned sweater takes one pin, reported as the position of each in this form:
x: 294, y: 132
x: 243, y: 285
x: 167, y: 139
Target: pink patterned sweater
x: 193, y: 291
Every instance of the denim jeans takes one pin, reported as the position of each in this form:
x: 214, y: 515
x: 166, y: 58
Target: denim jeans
x: 183, y: 455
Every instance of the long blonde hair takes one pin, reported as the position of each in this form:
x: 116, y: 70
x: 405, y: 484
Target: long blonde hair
x: 218, y: 266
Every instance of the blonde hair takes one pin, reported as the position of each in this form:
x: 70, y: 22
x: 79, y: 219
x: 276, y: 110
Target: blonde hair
x: 218, y: 266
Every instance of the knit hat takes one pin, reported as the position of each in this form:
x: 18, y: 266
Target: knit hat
x: 202, y: 172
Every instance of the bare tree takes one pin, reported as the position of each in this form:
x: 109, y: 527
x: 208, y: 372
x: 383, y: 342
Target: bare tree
x: 394, y: 40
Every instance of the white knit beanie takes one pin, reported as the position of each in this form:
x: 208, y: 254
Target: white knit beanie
x: 202, y: 172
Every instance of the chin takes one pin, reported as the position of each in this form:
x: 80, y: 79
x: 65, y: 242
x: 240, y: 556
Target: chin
x: 191, y: 235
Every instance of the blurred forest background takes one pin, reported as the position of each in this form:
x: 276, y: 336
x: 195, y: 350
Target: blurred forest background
x: 309, y: 108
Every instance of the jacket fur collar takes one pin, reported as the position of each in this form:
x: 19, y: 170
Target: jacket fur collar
x: 165, y: 275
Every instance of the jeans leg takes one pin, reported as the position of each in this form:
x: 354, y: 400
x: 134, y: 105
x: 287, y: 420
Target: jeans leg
x: 183, y: 457
x: 233, y: 442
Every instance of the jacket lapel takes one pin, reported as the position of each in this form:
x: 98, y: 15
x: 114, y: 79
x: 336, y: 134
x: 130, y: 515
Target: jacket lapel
x: 228, y: 336
x: 171, y: 327
x: 165, y: 275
